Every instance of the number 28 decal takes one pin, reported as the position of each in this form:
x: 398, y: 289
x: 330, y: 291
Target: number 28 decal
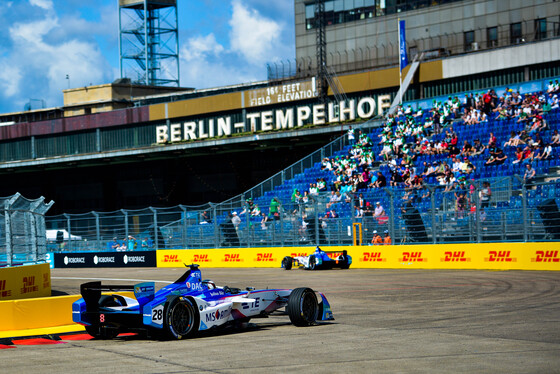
x: 157, y: 315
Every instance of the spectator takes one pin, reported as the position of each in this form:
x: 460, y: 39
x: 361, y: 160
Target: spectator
x: 379, y: 214
x: 335, y: 198
x: 131, y: 243
x: 114, y: 245
x: 264, y: 221
x: 236, y: 221
x: 205, y: 217
x: 485, y: 195
x: 274, y: 209
x: 529, y: 177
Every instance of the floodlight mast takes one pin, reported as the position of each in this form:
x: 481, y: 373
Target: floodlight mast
x: 149, y: 42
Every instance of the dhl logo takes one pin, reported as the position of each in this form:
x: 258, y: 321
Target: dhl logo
x: 201, y: 258
x: 264, y: 257
x: 373, y: 257
x: 500, y: 256
x: 232, y: 257
x: 46, y: 280
x: 3, y: 291
x: 171, y: 258
x: 412, y: 257
x: 298, y: 254
x: 458, y: 256
x: 29, y: 285
x: 546, y: 256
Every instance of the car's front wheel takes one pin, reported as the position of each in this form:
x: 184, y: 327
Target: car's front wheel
x: 181, y: 318
x: 303, y: 308
x: 287, y: 263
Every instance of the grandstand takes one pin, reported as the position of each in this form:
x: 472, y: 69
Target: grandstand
x: 422, y: 212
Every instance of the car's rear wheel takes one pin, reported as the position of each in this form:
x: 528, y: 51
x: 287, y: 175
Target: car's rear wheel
x: 181, y: 318
x: 303, y: 308
x: 287, y: 263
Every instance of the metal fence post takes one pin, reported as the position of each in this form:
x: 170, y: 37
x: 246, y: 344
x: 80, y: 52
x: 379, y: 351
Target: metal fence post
x: 184, y: 227
x: 433, y: 205
x: 68, y: 224
x: 97, y: 230
x: 155, y: 228
x: 8, y: 232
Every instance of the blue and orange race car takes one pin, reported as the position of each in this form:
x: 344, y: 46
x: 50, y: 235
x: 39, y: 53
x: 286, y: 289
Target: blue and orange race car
x: 188, y: 306
x: 319, y: 260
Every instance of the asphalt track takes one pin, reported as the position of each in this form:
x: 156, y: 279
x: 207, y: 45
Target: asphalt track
x: 387, y: 321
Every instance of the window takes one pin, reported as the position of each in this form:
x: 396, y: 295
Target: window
x: 469, y: 41
x: 540, y: 29
x: 492, y: 37
x: 516, y: 35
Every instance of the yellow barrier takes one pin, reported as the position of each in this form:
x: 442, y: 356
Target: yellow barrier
x: 42, y: 312
x: 21, y: 282
x: 494, y: 256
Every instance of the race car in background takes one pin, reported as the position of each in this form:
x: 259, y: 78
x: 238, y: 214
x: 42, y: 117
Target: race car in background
x: 319, y: 260
x: 188, y: 306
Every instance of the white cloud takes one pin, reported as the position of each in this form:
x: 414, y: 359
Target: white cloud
x: 201, y: 46
x: 10, y: 78
x: 44, y: 4
x: 252, y: 35
x: 38, y: 64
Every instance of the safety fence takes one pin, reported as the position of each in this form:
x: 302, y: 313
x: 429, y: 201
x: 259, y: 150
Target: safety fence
x: 515, y: 212
x: 22, y: 230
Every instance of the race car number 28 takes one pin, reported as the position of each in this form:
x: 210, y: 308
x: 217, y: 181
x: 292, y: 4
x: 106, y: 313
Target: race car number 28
x: 157, y: 315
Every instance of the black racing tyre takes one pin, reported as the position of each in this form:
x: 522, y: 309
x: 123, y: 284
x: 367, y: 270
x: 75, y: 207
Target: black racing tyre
x: 105, y: 332
x: 303, y: 308
x: 181, y: 318
x: 287, y: 263
x: 312, y: 262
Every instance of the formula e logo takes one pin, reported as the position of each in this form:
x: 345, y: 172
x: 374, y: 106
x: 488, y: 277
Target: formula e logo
x: 29, y: 285
x: 500, y: 256
x: 373, y: 257
x: 3, y: 291
x: 412, y: 257
x: 171, y: 258
x: 232, y: 257
x: 217, y: 315
x: 265, y: 257
x: 201, y: 258
x: 455, y: 257
x: 546, y: 256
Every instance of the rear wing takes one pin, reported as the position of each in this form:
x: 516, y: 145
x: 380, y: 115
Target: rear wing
x: 91, y: 293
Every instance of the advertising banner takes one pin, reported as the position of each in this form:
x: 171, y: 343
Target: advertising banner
x: 21, y: 282
x: 492, y: 256
x: 105, y: 259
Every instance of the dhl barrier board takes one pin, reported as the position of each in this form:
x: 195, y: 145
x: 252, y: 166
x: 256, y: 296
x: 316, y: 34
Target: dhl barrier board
x: 491, y: 256
x: 22, y: 282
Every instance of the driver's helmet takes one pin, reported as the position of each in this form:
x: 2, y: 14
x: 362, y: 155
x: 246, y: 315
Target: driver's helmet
x: 209, y: 284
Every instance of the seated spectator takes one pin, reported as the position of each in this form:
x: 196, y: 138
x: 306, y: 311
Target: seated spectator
x: 498, y: 158
x: 529, y: 176
x: 205, y: 217
x: 555, y: 140
x: 379, y: 214
x: 335, y: 198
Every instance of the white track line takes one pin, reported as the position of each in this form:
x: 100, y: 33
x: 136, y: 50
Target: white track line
x: 114, y: 279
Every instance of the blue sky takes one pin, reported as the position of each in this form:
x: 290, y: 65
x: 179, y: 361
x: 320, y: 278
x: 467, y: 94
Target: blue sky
x: 221, y: 42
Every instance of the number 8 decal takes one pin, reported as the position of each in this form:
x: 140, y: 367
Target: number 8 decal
x: 102, y: 318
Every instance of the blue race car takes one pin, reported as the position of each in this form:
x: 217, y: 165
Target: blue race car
x: 188, y: 306
x: 319, y: 260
